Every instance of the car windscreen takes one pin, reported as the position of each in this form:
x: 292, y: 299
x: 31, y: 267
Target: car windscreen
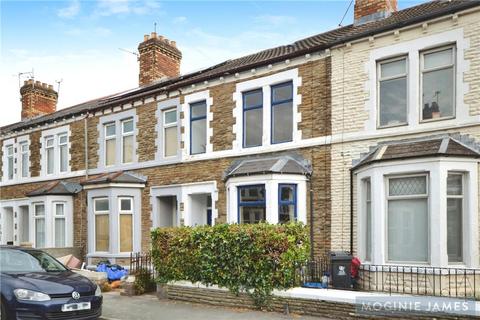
x: 21, y: 261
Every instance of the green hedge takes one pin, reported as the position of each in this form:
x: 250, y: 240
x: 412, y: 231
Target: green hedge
x: 252, y: 258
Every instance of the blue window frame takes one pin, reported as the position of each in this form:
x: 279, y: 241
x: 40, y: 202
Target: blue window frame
x: 198, y: 127
x: 282, y: 113
x: 287, y: 203
x: 252, y: 118
x: 251, y: 204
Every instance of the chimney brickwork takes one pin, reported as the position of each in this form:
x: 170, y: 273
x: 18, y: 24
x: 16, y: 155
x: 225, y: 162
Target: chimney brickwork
x: 37, y: 98
x: 159, y: 58
x: 373, y: 10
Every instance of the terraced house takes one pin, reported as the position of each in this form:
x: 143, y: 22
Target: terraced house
x: 369, y: 134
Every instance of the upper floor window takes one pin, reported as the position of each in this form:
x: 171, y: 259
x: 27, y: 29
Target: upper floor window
x: 251, y: 204
x: 63, y: 151
x: 24, y: 159
x: 407, y: 220
x: 198, y: 127
x: 252, y: 118
x: 55, y: 152
x: 10, y: 161
x: 392, y: 92
x: 50, y: 154
x: 287, y: 203
x: 170, y: 133
x: 438, y: 83
x: 127, y: 141
x: 110, y: 142
x: 282, y: 112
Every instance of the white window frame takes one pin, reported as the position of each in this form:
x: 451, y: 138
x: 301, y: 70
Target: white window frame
x: 169, y: 125
x: 37, y: 217
x: 24, y: 164
x: 125, y: 212
x: 463, y: 197
x: 107, y: 138
x: 380, y: 79
x: 422, y: 71
x: 192, y: 99
x: 367, y: 183
x: 426, y: 196
x: 10, y: 155
x: 54, y: 135
x: 57, y: 216
x: 124, y: 135
x: 47, y: 149
x: 60, y: 145
x: 101, y: 212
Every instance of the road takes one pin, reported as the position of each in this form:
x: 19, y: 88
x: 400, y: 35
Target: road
x: 148, y: 307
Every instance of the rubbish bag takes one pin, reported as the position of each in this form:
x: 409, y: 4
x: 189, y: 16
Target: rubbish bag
x: 114, y: 271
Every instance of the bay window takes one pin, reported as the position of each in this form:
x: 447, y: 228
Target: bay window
x: 251, y: 204
x: 10, y: 162
x: 438, y: 83
x: 102, y: 225
x: 127, y: 141
x: 252, y: 118
x: 392, y: 92
x: 198, y: 127
x: 455, y: 199
x: 408, y: 219
x: 287, y: 203
x: 170, y: 133
x: 24, y: 159
x: 282, y: 112
x: 59, y: 224
x: 368, y: 219
x: 110, y: 144
x: 126, y: 224
x: 39, y: 218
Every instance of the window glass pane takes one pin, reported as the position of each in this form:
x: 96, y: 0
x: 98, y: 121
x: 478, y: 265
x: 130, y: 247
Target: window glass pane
x: 101, y: 205
x: 171, y: 141
x: 127, y: 126
x: 199, y: 136
x: 408, y: 230
x: 63, y: 158
x: 50, y: 160
x: 170, y: 116
x: 282, y: 92
x: 252, y: 193
x: 287, y: 213
x: 62, y: 139
x: 287, y: 193
x: 438, y: 59
x: 253, y: 98
x: 282, y: 122
x: 39, y: 210
x: 25, y: 168
x: 10, y: 151
x: 437, y: 93
x: 253, y: 127
x: 40, y: 232
x: 59, y: 232
x: 126, y: 233
x: 102, y: 239
x: 368, y: 222
x: 127, y: 149
x: 126, y: 204
x: 110, y: 129
x: 394, y: 68
x: 49, y: 142
x: 408, y: 186
x: 454, y: 230
x: 454, y: 184
x: 24, y: 147
x: 59, y: 209
x: 198, y: 109
x: 393, y: 101
x: 110, y: 152
x: 10, y: 167
x: 252, y: 214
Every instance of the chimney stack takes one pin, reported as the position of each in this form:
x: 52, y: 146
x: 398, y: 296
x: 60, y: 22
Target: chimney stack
x: 159, y: 58
x: 37, y: 99
x: 373, y: 10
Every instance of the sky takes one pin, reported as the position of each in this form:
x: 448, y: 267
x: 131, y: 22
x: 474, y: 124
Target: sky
x: 81, y: 47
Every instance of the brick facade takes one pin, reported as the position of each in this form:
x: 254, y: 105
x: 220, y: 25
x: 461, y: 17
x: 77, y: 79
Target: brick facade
x: 37, y: 99
x: 364, y: 8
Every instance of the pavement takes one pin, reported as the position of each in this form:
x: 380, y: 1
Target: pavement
x: 148, y: 307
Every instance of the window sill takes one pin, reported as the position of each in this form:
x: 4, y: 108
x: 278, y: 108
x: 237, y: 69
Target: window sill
x: 437, y: 119
x: 403, y: 124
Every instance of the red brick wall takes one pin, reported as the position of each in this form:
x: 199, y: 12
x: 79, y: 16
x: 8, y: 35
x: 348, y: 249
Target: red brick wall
x: 367, y: 7
x: 37, y: 99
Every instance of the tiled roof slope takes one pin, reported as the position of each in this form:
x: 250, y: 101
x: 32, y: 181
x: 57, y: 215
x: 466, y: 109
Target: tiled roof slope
x: 115, y: 177
x: 407, y: 149
x: 320, y: 41
x: 56, y: 188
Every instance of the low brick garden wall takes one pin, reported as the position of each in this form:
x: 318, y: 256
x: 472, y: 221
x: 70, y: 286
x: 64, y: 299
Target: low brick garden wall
x: 311, y: 307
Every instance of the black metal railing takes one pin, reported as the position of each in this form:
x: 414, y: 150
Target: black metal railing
x: 419, y: 280
x: 141, y: 262
x: 312, y: 271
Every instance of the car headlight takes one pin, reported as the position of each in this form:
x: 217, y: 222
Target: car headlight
x: 98, y: 291
x: 29, y: 295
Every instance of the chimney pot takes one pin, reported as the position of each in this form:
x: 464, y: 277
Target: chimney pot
x: 173, y: 43
x: 145, y: 37
x: 154, y: 35
x: 50, y: 87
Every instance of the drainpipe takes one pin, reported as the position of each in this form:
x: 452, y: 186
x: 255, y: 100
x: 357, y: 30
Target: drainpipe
x: 351, y: 212
x: 85, y: 135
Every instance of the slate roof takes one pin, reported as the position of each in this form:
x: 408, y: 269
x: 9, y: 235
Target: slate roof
x: 56, y: 188
x: 115, y: 177
x: 431, y: 147
x: 408, y: 16
x: 265, y: 165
